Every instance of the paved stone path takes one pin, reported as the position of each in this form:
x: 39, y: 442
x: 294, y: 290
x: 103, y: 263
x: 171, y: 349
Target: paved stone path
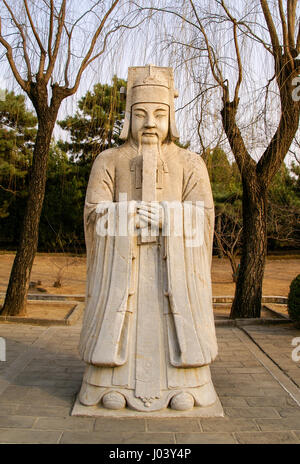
x: 254, y: 375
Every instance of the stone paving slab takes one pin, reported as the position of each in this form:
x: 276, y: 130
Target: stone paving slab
x: 117, y: 437
x: 119, y: 425
x: 15, y: 435
x: 254, y: 376
x: 269, y: 361
x: 205, y: 438
x: 266, y: 438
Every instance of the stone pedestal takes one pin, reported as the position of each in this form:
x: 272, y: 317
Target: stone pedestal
x: 216, y: 410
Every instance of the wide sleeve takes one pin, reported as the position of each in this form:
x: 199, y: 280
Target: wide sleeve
x: 104, y: 335
x: 100, y: 189
x: 189, y: 237
x: 197, y: 190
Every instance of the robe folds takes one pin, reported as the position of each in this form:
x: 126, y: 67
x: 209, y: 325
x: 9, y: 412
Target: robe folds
x: 148, y: 327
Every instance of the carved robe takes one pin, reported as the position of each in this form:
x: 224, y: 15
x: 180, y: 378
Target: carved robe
x: 148, y: 329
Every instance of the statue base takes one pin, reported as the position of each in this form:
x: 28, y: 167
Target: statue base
x: 215, y: 410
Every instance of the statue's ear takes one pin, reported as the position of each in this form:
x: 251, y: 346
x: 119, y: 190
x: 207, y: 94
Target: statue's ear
x: 174, y: 135
x: 126, y: 126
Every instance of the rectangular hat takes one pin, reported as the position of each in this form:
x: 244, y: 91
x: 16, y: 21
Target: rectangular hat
x: 150, y: 84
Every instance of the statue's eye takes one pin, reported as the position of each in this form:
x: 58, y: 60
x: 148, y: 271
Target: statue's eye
x: 139, y: 115
x: 161, y: 115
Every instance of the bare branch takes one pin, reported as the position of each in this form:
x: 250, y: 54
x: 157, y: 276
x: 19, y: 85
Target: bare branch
x: 61, y: 22
x: 237, y: 51
x: 286, y: 41
x: 196, y: 97
x: 271, y: 27
x: 199, y: 134
x: 291, y: 14
x: 212, y: 58
x: 14, y: 192
x: 298, y: 41
x: 19, y: 27
x: 37, y: 38
x: 284, y: 26
x: 239, y: 61
x: 295, y: 156
x: 87, y: 59
x: 9, y: 54
x: 274, y: 155
x: 174, y: 13
x: 254, y: 36
x: 50, y: 29
x: 69, y: 34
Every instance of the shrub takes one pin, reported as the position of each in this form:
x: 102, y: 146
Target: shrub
x: 294, y: 300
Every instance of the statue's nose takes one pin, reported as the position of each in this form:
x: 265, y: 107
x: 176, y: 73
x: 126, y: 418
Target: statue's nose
x: 150, y: 122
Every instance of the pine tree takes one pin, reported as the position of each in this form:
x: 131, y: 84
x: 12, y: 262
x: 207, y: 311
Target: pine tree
x: 97, y: 123
x: 17, y: 135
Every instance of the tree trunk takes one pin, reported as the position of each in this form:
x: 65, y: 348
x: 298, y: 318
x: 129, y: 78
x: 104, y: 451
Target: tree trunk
x: 16, y: 295
x: 219, y: 231
x: 248, y: 292
x: 233, y: 264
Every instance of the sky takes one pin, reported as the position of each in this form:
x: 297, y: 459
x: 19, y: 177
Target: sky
x: 147, y: 44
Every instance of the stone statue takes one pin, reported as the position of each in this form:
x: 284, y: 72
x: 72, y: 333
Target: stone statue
x: 148, y: 332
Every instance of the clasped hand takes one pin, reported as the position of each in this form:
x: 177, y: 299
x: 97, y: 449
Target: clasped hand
x: 149, y: 214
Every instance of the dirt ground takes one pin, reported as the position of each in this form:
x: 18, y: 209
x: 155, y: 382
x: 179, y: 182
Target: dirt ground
x: 71, y: 270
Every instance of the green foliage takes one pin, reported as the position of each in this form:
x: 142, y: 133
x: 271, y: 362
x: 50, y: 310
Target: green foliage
x: 283, y: 212
x: 17, y: 136
x: 227, y: 193
x: 95, y: 127
x: 61, y: 225
x: 294, y: 300
x: 97, y: 123
x: 225, y: 179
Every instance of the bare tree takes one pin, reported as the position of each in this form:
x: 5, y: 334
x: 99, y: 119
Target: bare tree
x: 48, y: 49
x: 228, y: 31
x: 227, y: 233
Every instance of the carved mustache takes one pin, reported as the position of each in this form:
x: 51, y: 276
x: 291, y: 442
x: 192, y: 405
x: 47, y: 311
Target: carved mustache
x: 149, y: 132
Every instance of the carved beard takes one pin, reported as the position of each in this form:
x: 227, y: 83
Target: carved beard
x: 151, y: 153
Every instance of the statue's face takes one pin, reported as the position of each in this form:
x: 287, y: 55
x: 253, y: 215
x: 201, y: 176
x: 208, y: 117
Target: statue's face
x: 149, y: 122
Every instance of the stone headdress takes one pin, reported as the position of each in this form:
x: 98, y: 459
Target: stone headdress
x: 150, y: 84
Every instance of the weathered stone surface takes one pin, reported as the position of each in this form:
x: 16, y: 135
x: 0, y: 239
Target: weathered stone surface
x: 287, y: 412
x: 297, y: 435
x: 28, y: 436
x: 42, y: 411
x: 275, y: 401
x: 9, y: 408
x: 170, y: 425
x: 264, y: 412
x: 234, y: 402
x: 84, y: 424
x: 148, y: 334
x: 266, y: 438
x: 117, y: 437
x: 268, y: 425
x: 51, y: 402
x: 117, y: 424
x: 215, y: 410
x: 205, y: 438
x: 16, y: 421
x: 228, y: 425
